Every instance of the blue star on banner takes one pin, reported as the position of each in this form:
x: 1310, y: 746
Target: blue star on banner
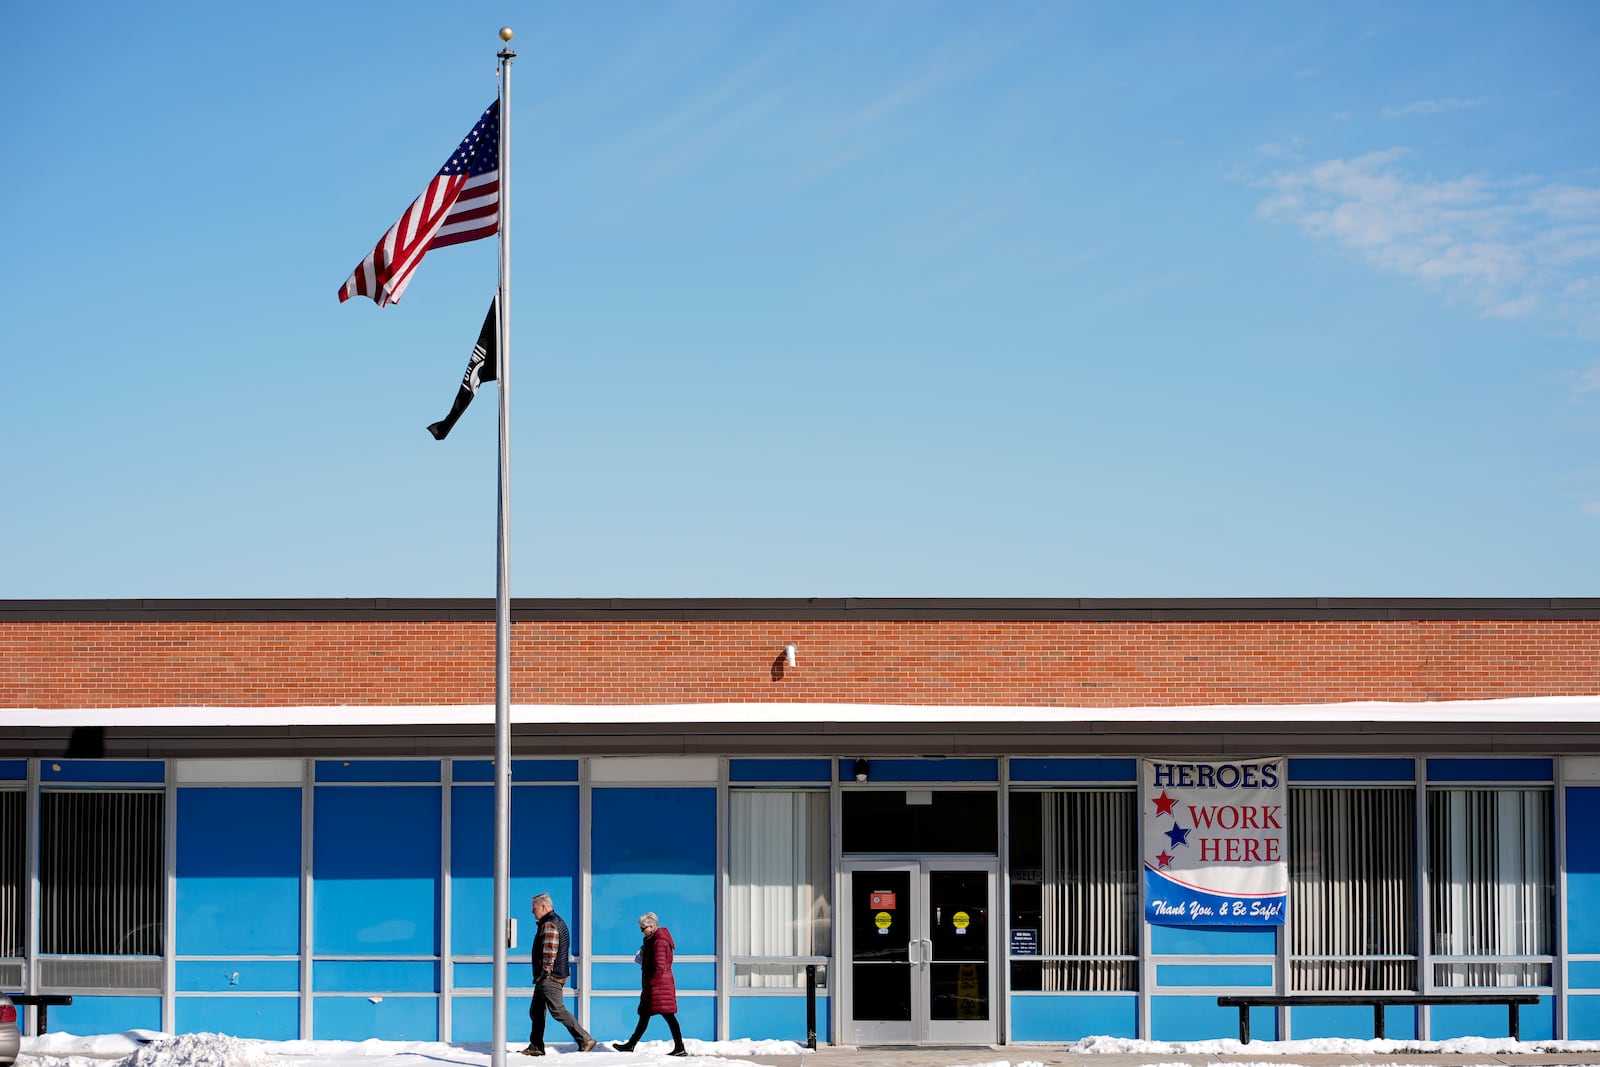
x: 1178, y: 835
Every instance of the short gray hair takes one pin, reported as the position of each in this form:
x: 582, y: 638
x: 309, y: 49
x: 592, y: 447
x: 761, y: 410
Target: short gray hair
x: 542, y: 898
x: 648, y: 919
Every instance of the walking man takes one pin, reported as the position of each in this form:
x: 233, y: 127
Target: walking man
x: 552, y: 948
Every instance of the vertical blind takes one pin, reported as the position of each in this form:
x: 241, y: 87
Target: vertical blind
x: 1491, y: 884
x: 1089, y: 890
x: 100, y: 873
x: 13, y: 867
x: 778, y: 881
x: 1352, y: 897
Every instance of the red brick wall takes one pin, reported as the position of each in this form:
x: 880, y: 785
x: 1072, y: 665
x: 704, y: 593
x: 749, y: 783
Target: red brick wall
x: 57, y: 664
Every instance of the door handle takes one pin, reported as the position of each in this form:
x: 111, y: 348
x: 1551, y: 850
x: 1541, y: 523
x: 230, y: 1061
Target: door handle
x: 927, y: 952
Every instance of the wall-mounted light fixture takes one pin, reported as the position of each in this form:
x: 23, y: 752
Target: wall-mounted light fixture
x: 861, y: 770
x: 789, y: 654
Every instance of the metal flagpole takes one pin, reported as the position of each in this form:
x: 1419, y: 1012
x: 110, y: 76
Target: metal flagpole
x: 502, y: 599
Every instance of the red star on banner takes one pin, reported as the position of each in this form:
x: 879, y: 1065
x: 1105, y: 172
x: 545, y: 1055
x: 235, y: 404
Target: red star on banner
x: 1164, y: 803
x: 1163, y: 860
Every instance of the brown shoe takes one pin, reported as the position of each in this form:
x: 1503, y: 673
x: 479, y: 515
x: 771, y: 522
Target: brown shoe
x: 531, y: 1051
x: 587, y: 1045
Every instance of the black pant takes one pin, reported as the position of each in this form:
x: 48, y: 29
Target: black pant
x: 644, y: 1020
x: 547, y: 997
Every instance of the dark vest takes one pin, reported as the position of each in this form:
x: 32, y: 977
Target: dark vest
x: 563, y: 950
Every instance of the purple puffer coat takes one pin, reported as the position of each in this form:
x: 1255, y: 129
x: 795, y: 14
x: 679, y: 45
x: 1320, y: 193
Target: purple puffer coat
x: 658, y: 993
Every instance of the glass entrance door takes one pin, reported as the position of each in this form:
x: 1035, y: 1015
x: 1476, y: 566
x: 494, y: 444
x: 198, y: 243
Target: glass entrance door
x: 921, y: 952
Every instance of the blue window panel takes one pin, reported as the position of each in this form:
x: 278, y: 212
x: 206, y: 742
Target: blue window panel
x: 1181, y: 1018
x: 102, y: 770
x: 374, y: 976
x: 1583, y: 1017
x: 693, y: 976
x: 1583, y: 872
x: 775, y: 1018
x: 378, y: 770
x: 1074, y: 770
x: 1058, y: 1017
x: 1354, y: 1022
x: 481, y: 975
x: 522, y: 770
x: 1583, y: 974
x: 390, y: 1019
x: 625, y: 976
x: 613, y: 1019
x: 1213, y: 940
x: 106, y: 1015
x: 238, y: 871
x: 614, y: 976
x: 924, y: 770
x: 376, y: 863
x: 654, y: 850
x: 472, y: 1018
x: 1210, y: 974
x: 544, y: 859
x: 1490, y: 770
x: 262, y: 1018
x: 13, y: 770
x: 237, y: 976
x: 1302, y: 770
x: 1446, y: 1021
x: 779, y: 770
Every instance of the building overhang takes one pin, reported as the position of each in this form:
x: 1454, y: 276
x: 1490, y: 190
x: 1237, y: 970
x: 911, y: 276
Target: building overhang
x: 1541, y: 725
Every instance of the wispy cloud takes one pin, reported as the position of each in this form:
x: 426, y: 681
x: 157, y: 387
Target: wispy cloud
x: 1511, y: 247
x: 1433, y: 107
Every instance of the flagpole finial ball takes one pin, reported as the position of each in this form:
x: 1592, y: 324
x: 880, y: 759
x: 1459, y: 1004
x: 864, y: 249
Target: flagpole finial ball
x: 505, y: 33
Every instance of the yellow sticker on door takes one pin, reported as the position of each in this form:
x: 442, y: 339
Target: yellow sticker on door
x: 883, y: 919
x: 961, y: 920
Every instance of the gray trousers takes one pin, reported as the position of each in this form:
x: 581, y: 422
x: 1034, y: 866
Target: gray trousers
x: 547, y: 998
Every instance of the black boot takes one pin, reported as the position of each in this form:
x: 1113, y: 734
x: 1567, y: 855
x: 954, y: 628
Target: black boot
x: 621, y: 1046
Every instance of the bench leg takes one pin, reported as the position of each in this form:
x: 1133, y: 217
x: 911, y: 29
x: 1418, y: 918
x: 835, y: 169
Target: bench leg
x: 1244, y: 1024
x: 1377, y: 1020
x: 44, y: 1017
x: 1516, y: 1022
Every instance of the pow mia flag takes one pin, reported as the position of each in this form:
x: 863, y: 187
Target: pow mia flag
x: 482, y: 366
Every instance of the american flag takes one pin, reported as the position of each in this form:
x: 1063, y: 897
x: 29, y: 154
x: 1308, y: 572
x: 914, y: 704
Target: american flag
x: 461, y: 204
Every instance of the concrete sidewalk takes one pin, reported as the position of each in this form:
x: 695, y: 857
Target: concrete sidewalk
x: 1053, y: 1056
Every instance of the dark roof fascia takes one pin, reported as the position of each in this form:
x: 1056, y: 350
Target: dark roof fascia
x: 836, y: 609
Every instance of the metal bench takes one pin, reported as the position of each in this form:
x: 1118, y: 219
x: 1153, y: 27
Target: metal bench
x: 42, y: 1001
x: 1512, y: 1001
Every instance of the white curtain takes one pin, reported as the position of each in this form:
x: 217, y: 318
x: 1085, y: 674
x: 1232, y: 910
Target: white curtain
x: 1351, y: 890
x: 778, y: 882
x: 1491, y: 884
x: 1089, y: 894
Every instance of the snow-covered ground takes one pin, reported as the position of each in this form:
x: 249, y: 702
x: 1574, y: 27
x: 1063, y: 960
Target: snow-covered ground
x: 146, y: 1048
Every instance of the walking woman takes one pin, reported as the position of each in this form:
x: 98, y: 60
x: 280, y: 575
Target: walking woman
x: 658, y: 993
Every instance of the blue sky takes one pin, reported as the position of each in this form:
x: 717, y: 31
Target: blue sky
x: 825, y: 299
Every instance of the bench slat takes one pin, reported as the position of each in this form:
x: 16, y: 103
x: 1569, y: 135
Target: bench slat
x: 1512, y: 1001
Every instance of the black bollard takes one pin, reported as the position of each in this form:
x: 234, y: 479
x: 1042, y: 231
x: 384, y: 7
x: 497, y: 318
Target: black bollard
x: 811, y: 1005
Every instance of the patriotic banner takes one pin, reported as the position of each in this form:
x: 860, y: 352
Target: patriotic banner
x: 1216, y: 842
x: 461, y: 203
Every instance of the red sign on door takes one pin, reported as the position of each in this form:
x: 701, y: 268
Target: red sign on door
x: 883, y: 900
